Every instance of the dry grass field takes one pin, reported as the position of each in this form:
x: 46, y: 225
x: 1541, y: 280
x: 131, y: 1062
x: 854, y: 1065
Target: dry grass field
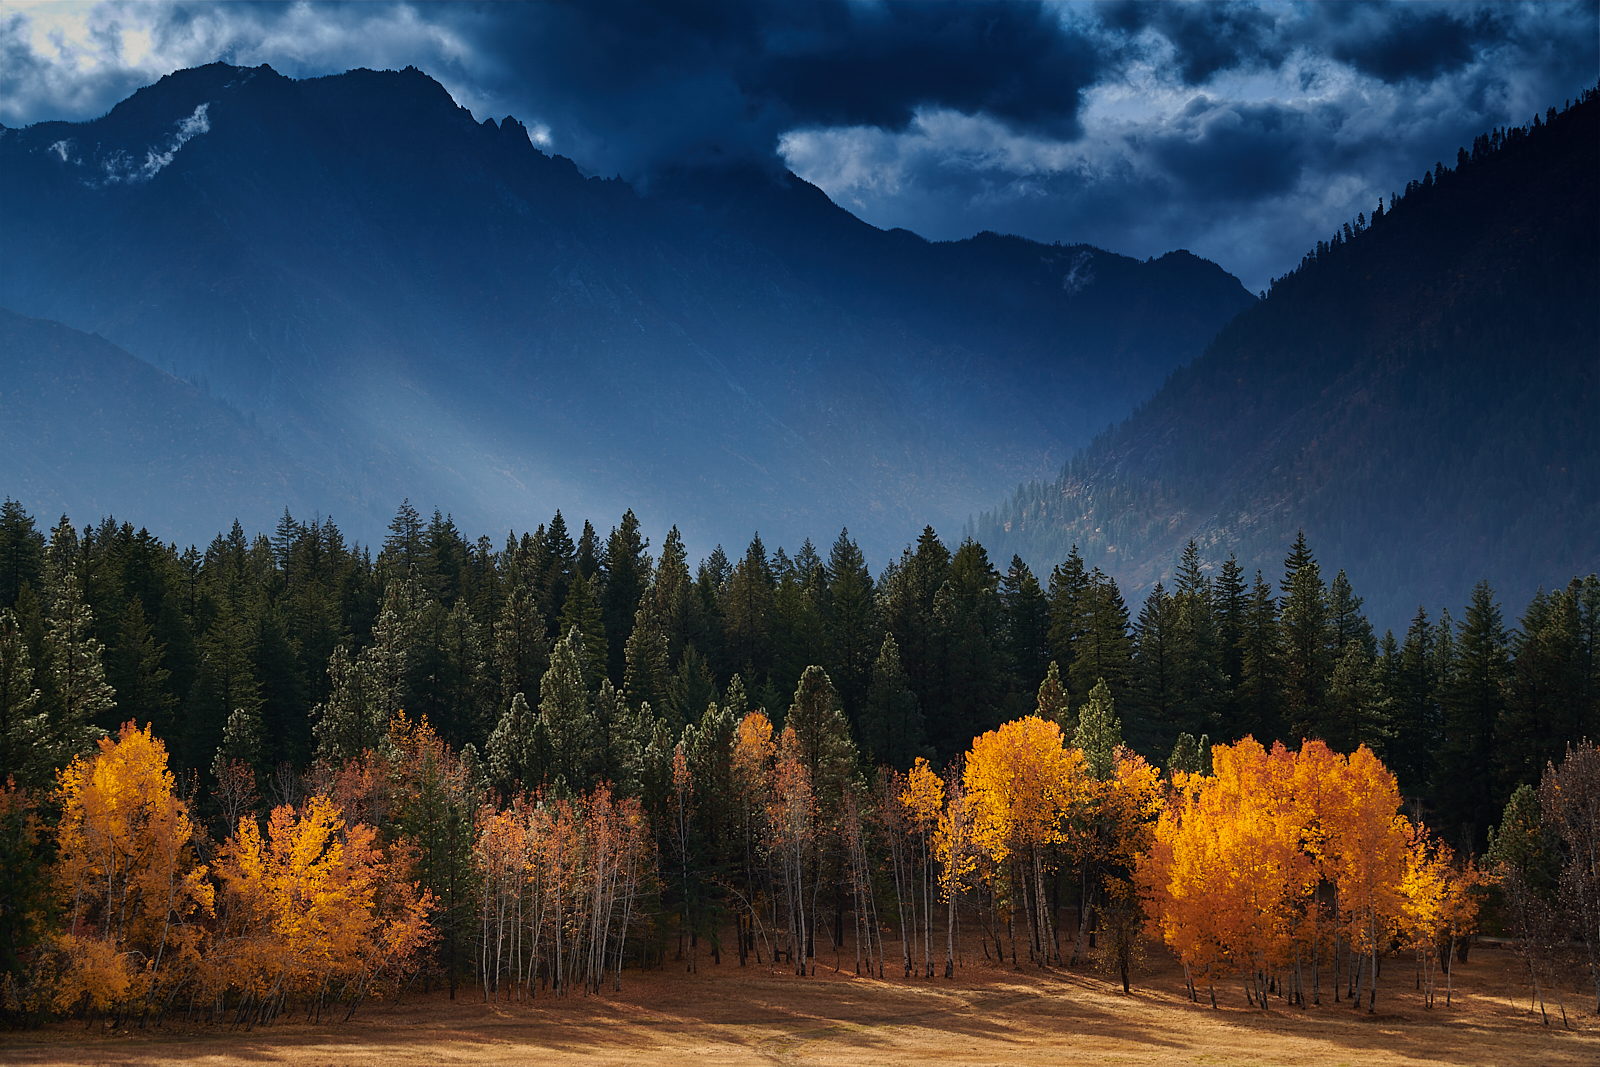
x: 987, y: 1015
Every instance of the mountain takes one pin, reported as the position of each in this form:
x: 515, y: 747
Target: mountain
x: 415, y: 304
x: 138, y: 442
x: 1421, y: 395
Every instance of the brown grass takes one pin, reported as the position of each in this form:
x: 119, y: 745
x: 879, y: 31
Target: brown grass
x: 988, y: 1014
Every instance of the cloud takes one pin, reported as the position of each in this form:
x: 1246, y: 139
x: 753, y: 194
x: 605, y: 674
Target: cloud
x: 1243, y: 131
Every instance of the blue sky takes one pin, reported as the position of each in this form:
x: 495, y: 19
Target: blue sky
x: 1241, y: 131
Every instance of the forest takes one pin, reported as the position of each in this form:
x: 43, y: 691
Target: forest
x: 290, y: 773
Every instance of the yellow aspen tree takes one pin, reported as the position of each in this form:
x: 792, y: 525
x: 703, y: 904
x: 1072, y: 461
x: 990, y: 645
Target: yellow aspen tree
x: 133, y: 894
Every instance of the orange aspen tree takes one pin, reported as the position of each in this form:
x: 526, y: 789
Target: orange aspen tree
x: 1371, y: 838
x: 1318, y: 774
x: 923, y: 799
x: 754, y: 753
x: 791, y: 815
x: 1130, y: 804
x: 132, y: 892
x: 1021, y: 782
x: 312, y: 911
x: 953, y: 847
x: 1437, y: 907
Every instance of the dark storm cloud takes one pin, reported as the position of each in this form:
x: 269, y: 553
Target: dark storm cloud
x: 1205, y: 38
x: 1244, y: 131
x: 1418, y: 46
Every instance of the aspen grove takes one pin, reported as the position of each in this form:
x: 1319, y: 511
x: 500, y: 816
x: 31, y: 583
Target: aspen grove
x: 291, y: 777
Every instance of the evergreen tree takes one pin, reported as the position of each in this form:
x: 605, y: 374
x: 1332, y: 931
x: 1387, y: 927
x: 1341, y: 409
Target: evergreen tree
x: 582, y: 613
x: 23, y: 728
x: 673, y: 590
x: 590, y: 558
x: 1153, y: 695
x: 891, y: 720
x: 348, y: 723
x: 1052, y: 704
x: 513, y: 751
x: 134, y: 670
x: 1307, y: 642
x: 554, y: 566
x: 78, y: 696
x: 1415, y: 691
x: 1199, y: 683
x: 1358, y: 711
x: 1232, y: 604
x: 1345, y: 620
x: 1099, y: 732
x: 1105, y: 650
x: 628, y: 567
x: 823, y: 736
x: 746, y: 603
x: 566, y: 715
x: 241, y: 743
x: 691, y: 686
x: 646, y: 672
x: 1071, y: 607
x: 1473, y: 700
x: 1261, y: 671
x: 616, y: 743
x: 909, y: 612
x: 21, y: 552
x: 967, y: 611
x: 284, y: 729
x: 403, y: 553
x: 1190, y: 756
x: 521, y: 644
x: 1026, y: 624
x: 1549, y: 690
x: 851, y: 625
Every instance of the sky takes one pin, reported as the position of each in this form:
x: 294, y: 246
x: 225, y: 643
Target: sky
x: 1240, y: 131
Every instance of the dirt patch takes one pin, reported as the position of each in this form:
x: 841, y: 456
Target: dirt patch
x: 987, y: 1015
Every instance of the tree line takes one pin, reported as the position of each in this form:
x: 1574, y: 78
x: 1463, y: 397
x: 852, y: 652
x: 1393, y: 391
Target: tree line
x: 579, y: 747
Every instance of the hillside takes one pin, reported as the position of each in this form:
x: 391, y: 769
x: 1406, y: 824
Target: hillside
x: 138, y: 442
x: 415, y: 304
x: 1420, y: 397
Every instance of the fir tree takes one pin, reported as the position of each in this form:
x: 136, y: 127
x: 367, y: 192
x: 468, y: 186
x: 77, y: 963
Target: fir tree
x: 521, y: 644
x: 891, y: 720
x: 646, y: 670
x: 746, y: 603
x: 348, y: 723
x: 1415, y: 691
x: 1261, y: 669
x: 1105, y: 651
x: 628, y: 569
x: 565, y: 713
x: 581, y: 613
x: 23, y: 728
x: 1070, y: 605
x: 21, y: 552
x: 1473, y: 700
x: 1052, y: 703
x: 1026, y: 625
x: 513, y: 749
x: 850, y: 622
x: 1307, y: 645
x: 1099, y: 732
x: 822, y: 734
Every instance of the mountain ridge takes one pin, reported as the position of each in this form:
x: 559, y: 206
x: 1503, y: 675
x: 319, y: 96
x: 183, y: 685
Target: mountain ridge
x: 420, y: 305
x: 1371, y: 399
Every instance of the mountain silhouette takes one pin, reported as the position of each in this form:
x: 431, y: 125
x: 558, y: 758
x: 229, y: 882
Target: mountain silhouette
x: 411, y: 303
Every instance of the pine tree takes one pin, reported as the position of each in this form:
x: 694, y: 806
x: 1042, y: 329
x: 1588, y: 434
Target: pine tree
x: 628, y: 567
x: 348, y: 724
x: 1548, y: 696
x: 565, y: 712
x: 521, y: 644
x: 21, y: 552
x: 646, y: 671
x: 1153, y: 694
x: 1026, y: 625
x: 673, y: 590
x: 909, y: 612
x: 1070, y: 601
x: 1307, y: 642
x: 1345, y: 620
x: 134, y: 672
x: 1198, y: 680
x: 1358, y: 712
x: 851, y: 626
x: 1099, y: 732
x: 1105, y: 651
x: 891, y: 720
x: 23, y: 728
x: 746, y: 604
x: 513, y: 750
x: 967, y: 700
x: 582, y: 613
x: 1261, y: 670
x: 1417, y: 721
x: 823, y: 735
x: 241, y: 743
x: 1052, y: 703
x: 78, y: 696
x: 1473, y: 699
x: 553, y: 568
x: 616, y: 754
x: 591, y: 559
x: 691, y: 686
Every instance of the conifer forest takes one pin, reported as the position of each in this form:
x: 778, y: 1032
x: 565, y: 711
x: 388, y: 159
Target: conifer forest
x: 291, y: 773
